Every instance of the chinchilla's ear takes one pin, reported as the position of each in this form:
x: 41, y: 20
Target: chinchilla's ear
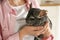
x: 43, y: 12
x: 30, y: 5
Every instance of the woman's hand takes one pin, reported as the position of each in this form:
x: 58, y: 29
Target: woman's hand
x: 30, y: 30
x: 47, y: 31
x: 35, y: 31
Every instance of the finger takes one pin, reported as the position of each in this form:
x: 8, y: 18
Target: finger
x: 38, y: 28
x: 37, y: 33
x: 35, y: 28
x: 45, y: 26
x: 47, y: 33
x: 44, y: 31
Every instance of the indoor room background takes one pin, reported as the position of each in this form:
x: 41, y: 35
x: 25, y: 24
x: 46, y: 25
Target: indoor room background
x: 53, y: 8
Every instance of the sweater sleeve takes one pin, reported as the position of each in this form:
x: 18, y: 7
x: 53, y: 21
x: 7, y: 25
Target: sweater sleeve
x: 13, y: 37
x: 6, y: 34
x: 48, y: 38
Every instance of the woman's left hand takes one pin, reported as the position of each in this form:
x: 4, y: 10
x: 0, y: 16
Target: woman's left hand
x: 47, y: 30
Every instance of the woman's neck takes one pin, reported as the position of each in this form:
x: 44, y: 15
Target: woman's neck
x: 16, y: 3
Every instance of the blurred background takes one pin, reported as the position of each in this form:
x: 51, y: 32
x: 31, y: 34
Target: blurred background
x: 53, y: 8
x: 53, y: 1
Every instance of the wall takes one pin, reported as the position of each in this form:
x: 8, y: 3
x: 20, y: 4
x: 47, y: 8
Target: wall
x: 58, y: 28
x: 39, y: 1
x: 43, y: 1
x: 57, y: 1
x: 53, y: 13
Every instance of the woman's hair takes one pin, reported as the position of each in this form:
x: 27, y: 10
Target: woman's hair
x: 1, y: 1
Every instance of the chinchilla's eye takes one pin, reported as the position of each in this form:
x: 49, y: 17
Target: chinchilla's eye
x: 31, y: 18
x: 39, y: 18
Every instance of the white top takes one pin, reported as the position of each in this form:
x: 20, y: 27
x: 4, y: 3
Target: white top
x: 21, y: 14
x: 20, y: 19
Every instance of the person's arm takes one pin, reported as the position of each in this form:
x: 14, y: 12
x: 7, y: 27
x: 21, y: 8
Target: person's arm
x: 0, y: 21
x: 0, y: 37
x: 0, y: 33
x: 6, y: 34
x: 13, y: 37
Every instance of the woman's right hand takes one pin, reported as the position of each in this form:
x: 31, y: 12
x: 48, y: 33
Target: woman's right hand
x: 30, y: 30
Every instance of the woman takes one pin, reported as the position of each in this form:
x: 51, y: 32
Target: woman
x: 13, y: 10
